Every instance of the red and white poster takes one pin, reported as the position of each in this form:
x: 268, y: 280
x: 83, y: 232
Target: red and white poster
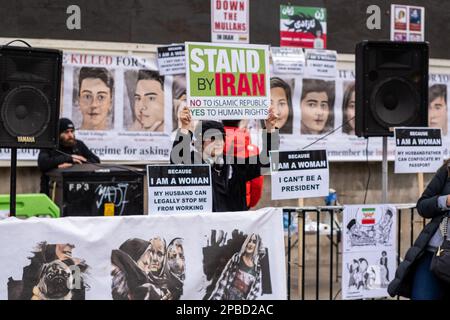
x: 230, y: 21
x: 304, y: 27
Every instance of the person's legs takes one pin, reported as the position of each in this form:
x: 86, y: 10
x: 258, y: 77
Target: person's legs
x: 425, y: 285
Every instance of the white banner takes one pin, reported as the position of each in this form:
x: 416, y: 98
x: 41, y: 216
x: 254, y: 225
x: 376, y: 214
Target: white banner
x: 179, y: 188
x: 232, y: 255
x: 369, y: 250
x: 296, y: 97
x: 417, y: 150
x: 230, y: 21
x: 299, y: 174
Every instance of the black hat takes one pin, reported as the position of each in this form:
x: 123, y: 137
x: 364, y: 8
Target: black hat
x: 210, y: 128
x: 351, y: 224
x: 135, y: 248
x: 65, y: 124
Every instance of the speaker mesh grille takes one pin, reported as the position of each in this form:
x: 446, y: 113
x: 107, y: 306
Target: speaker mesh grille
x: 395, y: 102
x: 25, y: 111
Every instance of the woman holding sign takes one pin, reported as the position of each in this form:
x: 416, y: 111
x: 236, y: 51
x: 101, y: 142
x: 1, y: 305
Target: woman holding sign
x: 229, y: 173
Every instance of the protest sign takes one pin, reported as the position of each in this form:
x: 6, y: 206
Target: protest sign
x: 171, y: 60
x: 230, y: 21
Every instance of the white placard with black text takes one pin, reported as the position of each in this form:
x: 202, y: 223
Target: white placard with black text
x: 299, y: 174
x: 417, y: 150
x: 179, y: 188
x: 288, y: 60
x: 171, y: 60
x: 320, y: 63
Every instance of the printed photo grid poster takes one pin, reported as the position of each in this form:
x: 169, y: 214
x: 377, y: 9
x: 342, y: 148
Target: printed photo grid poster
x: 369, y: 250
x: 120, y: 105
x: 407, y: 23
x: 220, y: 256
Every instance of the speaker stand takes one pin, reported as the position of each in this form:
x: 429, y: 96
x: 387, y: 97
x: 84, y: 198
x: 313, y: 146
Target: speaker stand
x: 12, y: 189
x: 384, y: 172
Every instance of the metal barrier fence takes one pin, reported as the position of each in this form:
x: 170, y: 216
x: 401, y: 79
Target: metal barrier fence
x: 306, y: 271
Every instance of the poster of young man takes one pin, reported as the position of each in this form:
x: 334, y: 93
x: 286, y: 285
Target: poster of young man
x: 299, y: 174
x: 304, y: 27
x: 230, y: 21
x: 227, y: 81
x: 179, y: 188
x: 121, y: 99
x: 417, y: 150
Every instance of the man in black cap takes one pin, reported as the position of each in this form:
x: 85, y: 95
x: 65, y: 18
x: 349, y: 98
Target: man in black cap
x: 70, y: 151
x: 229, y: 174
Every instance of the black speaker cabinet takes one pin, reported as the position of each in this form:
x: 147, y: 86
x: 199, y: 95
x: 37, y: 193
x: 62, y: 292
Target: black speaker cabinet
x: 391, y: 86
x: 30, y: 84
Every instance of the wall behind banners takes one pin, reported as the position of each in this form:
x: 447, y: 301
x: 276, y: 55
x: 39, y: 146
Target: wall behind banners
x: 166, y: 22
x: 404, y: 187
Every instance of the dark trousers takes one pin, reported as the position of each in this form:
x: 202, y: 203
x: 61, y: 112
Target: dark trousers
x: 425, y: 284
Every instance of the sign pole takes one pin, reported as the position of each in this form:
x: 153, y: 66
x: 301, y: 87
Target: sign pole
x: 384, y: 173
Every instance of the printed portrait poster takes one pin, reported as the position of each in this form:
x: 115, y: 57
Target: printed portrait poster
x: 230, y: 21
x: 304, y: 27
x: 118, y: 105
x: 227, y: 81
x: 225, y: 255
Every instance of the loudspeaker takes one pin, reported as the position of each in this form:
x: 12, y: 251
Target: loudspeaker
x: 391, y: 86
x: 30, y: 84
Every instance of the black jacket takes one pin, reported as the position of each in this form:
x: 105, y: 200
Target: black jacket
x: 50, y: 159
x: 229, y: 181
x: 427, y: 206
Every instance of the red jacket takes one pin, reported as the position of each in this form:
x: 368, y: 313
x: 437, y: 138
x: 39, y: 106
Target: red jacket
x: 240, y: 139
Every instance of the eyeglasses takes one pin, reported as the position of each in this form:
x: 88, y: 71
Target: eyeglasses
x: 87, y: 98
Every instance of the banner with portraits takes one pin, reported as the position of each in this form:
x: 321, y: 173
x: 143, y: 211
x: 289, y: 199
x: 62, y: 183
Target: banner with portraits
x: 220, y: 256
x: 125, y: 111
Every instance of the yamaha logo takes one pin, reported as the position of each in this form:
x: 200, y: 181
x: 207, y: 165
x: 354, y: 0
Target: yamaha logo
x: 26, y: 139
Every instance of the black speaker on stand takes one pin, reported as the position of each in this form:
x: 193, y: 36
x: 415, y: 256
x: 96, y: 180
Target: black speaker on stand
x: 391, y: 87
x: 391, y: 91
x: 30, y: 84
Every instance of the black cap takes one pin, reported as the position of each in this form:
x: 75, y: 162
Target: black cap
x: 65, y: 124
